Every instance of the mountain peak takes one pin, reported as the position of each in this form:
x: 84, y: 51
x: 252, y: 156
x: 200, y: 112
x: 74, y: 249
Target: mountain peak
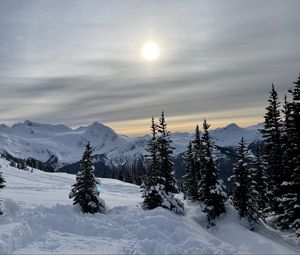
x: 97, y: 127
x: 4, y: 127
x: 31, y: 123
x: 232, y: 126
x: 97, y: 124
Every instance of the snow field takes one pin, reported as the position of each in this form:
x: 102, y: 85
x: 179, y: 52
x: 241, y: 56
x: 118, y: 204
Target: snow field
x: 39, y: 218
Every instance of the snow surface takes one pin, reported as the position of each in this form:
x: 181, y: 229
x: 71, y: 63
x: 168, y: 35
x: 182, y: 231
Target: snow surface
x: 231, y: 135
x: 41, y: 141
x: 40, y: 219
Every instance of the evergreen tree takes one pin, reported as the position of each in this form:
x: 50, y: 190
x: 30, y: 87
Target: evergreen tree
x: 287, y: 137
x: 244, y: 192
x: 165, y: 154
x: 12, y: 163
x: 241, y: 180
x: 159, y: 185
x: 152, y: 185
x: 273, y: 150
x: 22, y: 164
x: 84, y: 190
x: 294, y: 206
x: 259, y: 181
x: 194, y: 163
x: 290, y: 201
x: 288, y: 165
x: 211, y: 190
x: 2, y: 181
x: 2, y: 185
x: 190, y: 182
x: 199, y: 160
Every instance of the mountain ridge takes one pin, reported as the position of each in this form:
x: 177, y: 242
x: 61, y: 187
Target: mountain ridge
x: 31, y: 123
x: 30, y: 139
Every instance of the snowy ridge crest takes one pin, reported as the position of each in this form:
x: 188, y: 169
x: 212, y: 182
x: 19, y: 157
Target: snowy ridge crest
x: 41, y: 141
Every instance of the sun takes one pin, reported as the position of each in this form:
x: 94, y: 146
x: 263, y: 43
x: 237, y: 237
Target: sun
x: 150, y: 51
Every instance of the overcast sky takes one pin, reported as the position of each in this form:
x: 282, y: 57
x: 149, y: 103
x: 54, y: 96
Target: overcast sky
x: 76, y: 62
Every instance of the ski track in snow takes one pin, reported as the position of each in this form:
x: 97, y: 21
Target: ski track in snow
x: 40, y: 219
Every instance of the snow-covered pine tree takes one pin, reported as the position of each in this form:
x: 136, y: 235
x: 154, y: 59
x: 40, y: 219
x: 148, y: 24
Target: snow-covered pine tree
x: 166, y: 169
x: 22, y: 164
x: 290, y: 202
x: 294, y: 208
x: 165, y: 153
x: 259, y: 182
x: 2, y: 185
x: 190, y: 184
x: 273, y: 150
x: 84, y: 190
x: 211, y: 189
x: 198, y: 159
x: 153, y: 183
x: 240, y: 178
x: 287, y: 136
x: 288, y: 164
x: 2, y: 181
x: 194, y: 162
x: 244, y: 198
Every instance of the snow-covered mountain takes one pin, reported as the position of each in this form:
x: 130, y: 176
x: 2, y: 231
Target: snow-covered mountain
x: 42, y: 141
x: 231, y: 134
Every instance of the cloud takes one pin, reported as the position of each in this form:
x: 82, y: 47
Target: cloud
x: 79, y: 61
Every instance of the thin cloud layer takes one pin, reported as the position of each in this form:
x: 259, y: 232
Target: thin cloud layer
x: 75, y: 62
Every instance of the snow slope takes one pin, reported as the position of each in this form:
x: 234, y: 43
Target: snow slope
x: 231, y: 135
x: 41, y: 141
x: 40, y: 219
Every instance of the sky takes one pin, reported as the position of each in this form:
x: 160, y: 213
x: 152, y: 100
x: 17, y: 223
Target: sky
x: 77, y: 62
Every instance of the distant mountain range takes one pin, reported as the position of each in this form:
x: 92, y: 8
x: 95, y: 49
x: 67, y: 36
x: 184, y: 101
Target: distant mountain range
x: 61, y: 145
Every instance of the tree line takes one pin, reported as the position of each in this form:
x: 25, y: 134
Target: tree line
x: 267, y: 186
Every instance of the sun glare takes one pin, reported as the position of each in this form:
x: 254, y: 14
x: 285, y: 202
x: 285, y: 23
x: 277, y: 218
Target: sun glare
x: 151, y: 51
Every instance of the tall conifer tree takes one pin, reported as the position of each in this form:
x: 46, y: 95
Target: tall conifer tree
x: 152, y: 181
x: 165, y: 153
x: 245, y: 195
x: 199, y: 159
x: 294, y: 207
x: 272, y: 134
x: 287, y: 136
x: 259, y: 181
x: 290, y: 201
x: 241, y: 181
x: 2, y: 184
x: 190, y: 182
x: 195, y: 156
x: 84, y: 190
x: 159, y: 189
x: 2, y: 181
x: 211, y: 190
